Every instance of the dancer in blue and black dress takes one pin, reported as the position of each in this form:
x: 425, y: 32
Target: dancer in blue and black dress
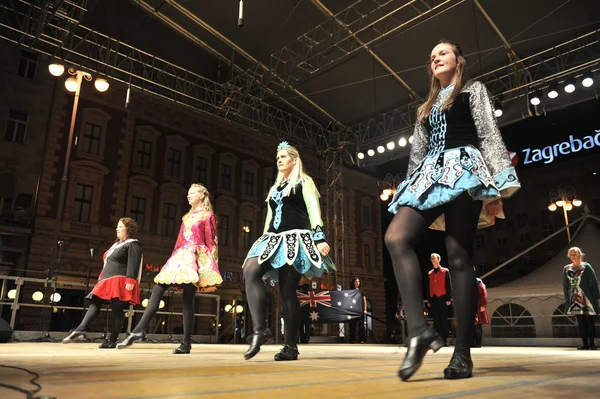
x: 293, y: 244
x: 459, y: 169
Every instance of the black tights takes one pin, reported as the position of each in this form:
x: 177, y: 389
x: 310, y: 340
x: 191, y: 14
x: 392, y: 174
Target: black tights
x: 409, y: 224
x: 118, y: 317
x: 257, y: 297
x: 189, y: 292
x: 587, y: 329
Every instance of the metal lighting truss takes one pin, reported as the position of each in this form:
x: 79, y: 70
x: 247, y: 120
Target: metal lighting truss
x: 334, y: 214
x: 510, y: 81
x: 361, y: 25
x: 90, y: 50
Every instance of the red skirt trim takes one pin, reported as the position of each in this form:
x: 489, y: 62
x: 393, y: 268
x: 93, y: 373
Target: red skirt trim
x: 114, y: 287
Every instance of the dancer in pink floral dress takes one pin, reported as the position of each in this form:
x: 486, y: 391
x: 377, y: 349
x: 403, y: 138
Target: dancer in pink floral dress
x: 192, y: 266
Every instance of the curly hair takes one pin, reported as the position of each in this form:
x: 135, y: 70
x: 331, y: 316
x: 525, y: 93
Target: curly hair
x: 130, y: 225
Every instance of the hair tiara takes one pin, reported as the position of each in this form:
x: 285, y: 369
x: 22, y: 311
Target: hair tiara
x: 284, y: 145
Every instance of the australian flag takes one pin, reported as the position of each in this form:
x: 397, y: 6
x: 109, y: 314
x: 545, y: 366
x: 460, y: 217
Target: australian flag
x: 322, y: 307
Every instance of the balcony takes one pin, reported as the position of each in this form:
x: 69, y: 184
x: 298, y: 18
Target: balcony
x: 18, y: 221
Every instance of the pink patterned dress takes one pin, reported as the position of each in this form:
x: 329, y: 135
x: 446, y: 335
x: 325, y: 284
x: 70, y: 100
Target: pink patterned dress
x: 195, y: 257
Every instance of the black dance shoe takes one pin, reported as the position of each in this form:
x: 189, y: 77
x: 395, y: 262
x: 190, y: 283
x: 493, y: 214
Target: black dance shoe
x: 287, y: 353
x: 257, y: 340
x: 183, y: 349
x: 417, y: 348
x: 583, y: 347
x: 106, y: 344
x: 460, y: 366
x: 131, y: 338
x: 74, y: 336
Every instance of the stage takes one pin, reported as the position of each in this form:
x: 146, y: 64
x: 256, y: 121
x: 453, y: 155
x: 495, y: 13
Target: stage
x: 81, y: 370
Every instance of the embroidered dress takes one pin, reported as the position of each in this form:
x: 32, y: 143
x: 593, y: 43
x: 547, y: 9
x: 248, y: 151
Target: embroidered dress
x: 292, y: 228
x: 195, y: 257
x: 122, y: 265
x: 578, y: 303
x: 455, y: 151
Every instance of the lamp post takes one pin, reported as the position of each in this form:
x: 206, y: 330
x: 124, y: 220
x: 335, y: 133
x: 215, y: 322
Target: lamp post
x: 389, y: 185
x: 565, y: 198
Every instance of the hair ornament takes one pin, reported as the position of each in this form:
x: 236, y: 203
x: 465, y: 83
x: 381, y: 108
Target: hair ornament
x: 284, y: 145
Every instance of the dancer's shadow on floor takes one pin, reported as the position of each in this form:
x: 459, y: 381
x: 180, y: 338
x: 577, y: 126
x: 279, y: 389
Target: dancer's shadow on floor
x: 504, y: 370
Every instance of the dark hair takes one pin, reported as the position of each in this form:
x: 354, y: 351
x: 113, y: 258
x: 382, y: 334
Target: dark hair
x: 353, y: 280
x: 435, y: 87
x: 130, y: 225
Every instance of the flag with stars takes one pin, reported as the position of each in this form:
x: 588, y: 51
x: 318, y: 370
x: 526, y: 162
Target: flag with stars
x: 322, y: 307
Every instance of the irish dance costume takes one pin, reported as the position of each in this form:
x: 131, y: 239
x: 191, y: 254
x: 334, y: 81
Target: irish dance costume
x: 455, y: 151
x: 580, y: 286
x: 195, y: 257
x: 292, y: 229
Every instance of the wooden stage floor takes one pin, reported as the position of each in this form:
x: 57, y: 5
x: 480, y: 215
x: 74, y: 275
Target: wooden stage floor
x: 81, y: 371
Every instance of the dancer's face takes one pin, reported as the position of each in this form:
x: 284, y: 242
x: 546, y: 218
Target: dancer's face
x: 357, y: 283
x: 121, y: 231
x: 195, y: 197
x: 435, y: 261
x: 443, y: 62
x: 575, y: 258
x: 285, y: 163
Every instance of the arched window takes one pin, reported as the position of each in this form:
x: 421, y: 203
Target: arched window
x: 512, y: 321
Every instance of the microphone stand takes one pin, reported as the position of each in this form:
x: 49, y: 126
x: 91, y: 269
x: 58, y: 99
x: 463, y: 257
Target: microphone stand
x: 48, y: 318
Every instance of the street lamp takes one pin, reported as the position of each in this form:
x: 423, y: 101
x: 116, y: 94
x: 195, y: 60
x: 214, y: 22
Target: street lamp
x: 565, y: 198
x: 72, y: 84
x: 389, y: 185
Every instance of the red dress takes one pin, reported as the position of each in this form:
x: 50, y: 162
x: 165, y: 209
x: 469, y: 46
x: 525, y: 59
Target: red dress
x: 122, y: 265
x: 482, y: 317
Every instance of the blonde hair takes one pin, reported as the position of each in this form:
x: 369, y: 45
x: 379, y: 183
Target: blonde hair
x: 436, y: 255
x: 576, y: 250
x: 296, y: 175
x: 206, y: 204
x: 435, y: 86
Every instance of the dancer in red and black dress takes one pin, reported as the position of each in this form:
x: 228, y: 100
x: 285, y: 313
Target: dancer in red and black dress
x: 118, y: 283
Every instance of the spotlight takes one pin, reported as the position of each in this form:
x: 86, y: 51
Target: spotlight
x: 361, y: 155
x: 570, y: 85
x: 228, y: 308
x: 390, y: 146
x: 552, y: 92
x: 410, y: 139
x: 239, y: 309
x: 161, y: 304
x: 498, y: 108
x: 588, y: 80
x: 55, y: 297
x: 370, y: 152
x: 536, y: 98
x: 380, y: 149
x: 402, y: 142
x: 12, y: 294
x: 37, y: 296
x: 145, y: 302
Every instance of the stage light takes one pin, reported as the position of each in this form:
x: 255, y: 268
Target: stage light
x: 498, y: 108
x: 239, y: 309
x: 410, y: 139
x: 380, y: 149
x: 536, y: 98
x: 387, y: 192
x: 402, y: 142
x: 361, y: 155
x: 577, y: 202
x: 12, y: 294
x: 56, y: 69
x: 145, y: 302
x: 71, y: 84
x: 384, y: 197
x: 390, y: 146
x: 37, y: 296
x: 370, y: 153
x: 161, y: 304
x: 588, y: 80
x: 228, y: 308
x: 570, y: 85
x: 55, y: 297
x: 101, y: 85
x: 552, y: 92
x: 552, y: 207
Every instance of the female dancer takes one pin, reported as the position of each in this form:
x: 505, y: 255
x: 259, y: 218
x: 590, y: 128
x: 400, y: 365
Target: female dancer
x: 581, y: 296
x: 291, y: 246
x: 458, y: 172
x: 118, y: 283
x: 192, y: 265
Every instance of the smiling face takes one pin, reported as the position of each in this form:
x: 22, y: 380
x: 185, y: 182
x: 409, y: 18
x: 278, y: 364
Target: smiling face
x: 285, y: 163
x: 575, y: 257
x: 435, y: 261
x: 195, y: 196
x: 121, y: 231
x: 443, y: 62
x: 357, y: 283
